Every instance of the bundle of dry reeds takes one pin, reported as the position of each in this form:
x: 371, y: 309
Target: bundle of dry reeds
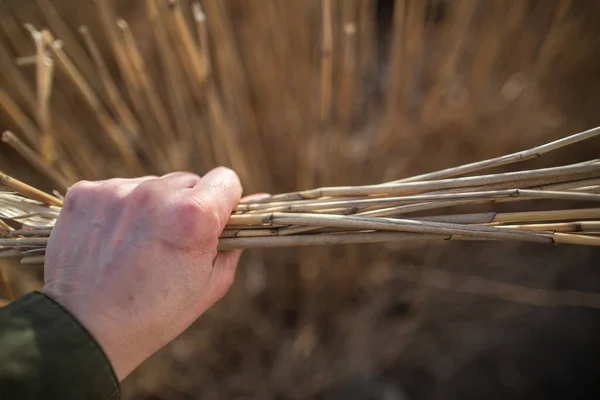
x: 374, y: 213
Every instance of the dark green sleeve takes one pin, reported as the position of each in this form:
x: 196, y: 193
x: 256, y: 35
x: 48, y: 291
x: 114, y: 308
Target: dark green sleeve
x: 45, y: 353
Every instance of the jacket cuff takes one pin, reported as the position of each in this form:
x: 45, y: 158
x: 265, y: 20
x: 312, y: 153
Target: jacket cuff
x: 46, y: 353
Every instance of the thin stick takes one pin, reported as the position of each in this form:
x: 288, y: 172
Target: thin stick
x: 156, y: 106
x: 61, y: 29
x: 357, y: 205
x: 16, y: 78
x: 551, y: 174
x: 187, y: 40
x: 118, y: 103
x: 389, y: 224
x: 29, y: 191
x: 34, y: 160
x: 176, y: 88
x: 202, y: 33
x: 5, y: 285
x: 320, y: 240
x: 507, y: 159
x: 553, y: 215
x: 113, y: 131
x: 23, y: 242
x: 326, y: 60
x: 25, y: 124
x: 581, y: 240
x: 516, y: 217
x: 560, y: 227
x: 31, y: 232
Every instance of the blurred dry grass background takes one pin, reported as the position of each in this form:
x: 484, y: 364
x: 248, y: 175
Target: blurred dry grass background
x: 305, y: 93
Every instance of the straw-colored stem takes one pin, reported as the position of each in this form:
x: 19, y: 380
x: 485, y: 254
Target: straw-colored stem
x: 117, y: 102
x: 150, y: 92
x: 507, y: 159
x: 17, y: 80
x: 176, y: 88
x: 45, y: 72
x: 355, y: 206
x: 326, y: 60
x: 76, y: 52
x: 23, y: 242
x: 35, y: 160
x: 28, y: 191
x: 389, y: 224
x: 580, y: 240
x: 553, y: 215
x: 185, y: 36
x: 31, y: 232
x: 108, y: 20
x: 496, y: 218
x: 590, y: 227
x: 5, y: 286
x: 321, y: 240
x: 202, y: 32
x: 110, y: 127
x: 25, y: 124
x: 555, y: 174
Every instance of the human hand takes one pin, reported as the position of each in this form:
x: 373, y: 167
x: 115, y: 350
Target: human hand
x: 136, y: 261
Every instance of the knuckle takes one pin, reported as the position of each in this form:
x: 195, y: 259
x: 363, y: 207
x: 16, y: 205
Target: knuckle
x: 208, y: 213
x: 197, y: 220
x: 199, y: 212
x: 145, y: 194
x: 81, y: 187
x: 112, y: 190
x: 77, y: 193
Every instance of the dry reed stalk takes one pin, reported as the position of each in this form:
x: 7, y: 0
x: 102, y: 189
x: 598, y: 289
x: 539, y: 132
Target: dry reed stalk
x: 145, y: 83
x: 110, y: 127
x: 76, y: 52
x: 35, y: 161
x: 17, y: 80
x: 235, y: 93
x: 326, y: 61
x: 44, y: 76
x: 202, y: 33
x: 119, y: 106
x: 176, y: 90
x: 109, y: 23
x: 25, y: 124
x: 28, y: 191
x: 5, y: 286
x: 507, y: 159
x: 185, y: 36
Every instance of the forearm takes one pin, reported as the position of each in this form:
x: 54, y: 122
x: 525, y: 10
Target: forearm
x: 45, y: 353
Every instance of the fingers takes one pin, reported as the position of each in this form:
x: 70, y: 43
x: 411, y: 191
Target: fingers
x: 218, y: 191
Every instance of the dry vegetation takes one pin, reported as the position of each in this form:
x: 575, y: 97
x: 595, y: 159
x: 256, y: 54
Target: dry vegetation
x: 300, y: 94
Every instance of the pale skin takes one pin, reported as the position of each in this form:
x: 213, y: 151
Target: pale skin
x: 136, y: 260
